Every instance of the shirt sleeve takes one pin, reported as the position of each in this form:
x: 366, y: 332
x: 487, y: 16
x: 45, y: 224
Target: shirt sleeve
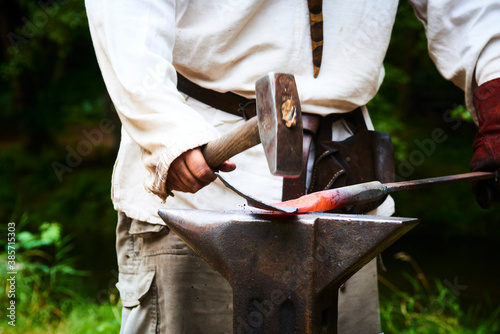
x: 134, y: 43
x: 464, y: 40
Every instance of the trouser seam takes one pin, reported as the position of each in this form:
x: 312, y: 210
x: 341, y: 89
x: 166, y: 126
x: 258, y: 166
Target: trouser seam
x: 155, y: 314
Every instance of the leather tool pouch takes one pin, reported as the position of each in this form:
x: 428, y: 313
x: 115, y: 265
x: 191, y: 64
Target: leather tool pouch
x: 365, y: 156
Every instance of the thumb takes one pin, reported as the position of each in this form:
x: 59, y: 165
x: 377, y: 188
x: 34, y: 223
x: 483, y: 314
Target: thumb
x: 227, y: 166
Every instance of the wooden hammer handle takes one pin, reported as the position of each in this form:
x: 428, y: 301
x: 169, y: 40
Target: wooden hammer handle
x: 232, y: 143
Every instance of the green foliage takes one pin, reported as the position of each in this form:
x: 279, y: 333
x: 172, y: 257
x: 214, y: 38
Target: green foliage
x: 44, y: 25
x: 92, y: 318
x: 49, y: 76
x: 431, y: 308
x: 461, y: 112
x: 48, y: 287
x: 413, y: 101
x: 46, y: 279
x: 81, y: 202
x: 84, y: 318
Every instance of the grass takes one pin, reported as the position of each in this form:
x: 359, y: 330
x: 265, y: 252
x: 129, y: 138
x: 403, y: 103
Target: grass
x: 428, y: 307
x: 47, y: 288
x: 417, y: 312
x: 49, y: 300
x: 49, y: 295
x: 85, y: 318
x: 431, y: 307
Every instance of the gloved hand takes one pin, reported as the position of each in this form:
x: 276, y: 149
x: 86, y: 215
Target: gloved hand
x: 487, y: 142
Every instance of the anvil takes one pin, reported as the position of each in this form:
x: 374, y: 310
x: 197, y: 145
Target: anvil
x: 285, y: 270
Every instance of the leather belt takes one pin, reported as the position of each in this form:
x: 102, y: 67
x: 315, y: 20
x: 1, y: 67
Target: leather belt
x: 229, y: 102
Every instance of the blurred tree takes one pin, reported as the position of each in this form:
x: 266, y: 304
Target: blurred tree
x: 48, y: 70
x: 415, y: 100
x: 50, y: 89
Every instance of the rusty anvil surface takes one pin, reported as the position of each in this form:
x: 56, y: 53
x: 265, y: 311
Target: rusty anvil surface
x: 285, y: 270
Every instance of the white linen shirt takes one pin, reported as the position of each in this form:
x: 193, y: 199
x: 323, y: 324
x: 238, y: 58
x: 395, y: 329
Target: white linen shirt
x: 226, y: 45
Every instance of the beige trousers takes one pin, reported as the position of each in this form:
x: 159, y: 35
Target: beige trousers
x: 166, y: 288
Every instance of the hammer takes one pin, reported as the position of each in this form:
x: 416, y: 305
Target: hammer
x: 278, y: 125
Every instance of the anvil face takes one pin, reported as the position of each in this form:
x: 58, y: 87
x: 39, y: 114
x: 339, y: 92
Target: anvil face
x: 285, y: 270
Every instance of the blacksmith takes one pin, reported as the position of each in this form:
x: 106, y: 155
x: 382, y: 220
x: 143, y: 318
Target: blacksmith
x: 335, y: 52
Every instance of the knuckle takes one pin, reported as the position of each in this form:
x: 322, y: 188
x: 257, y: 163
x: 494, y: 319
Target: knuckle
x: 192, y: 185
x: 205, y: 174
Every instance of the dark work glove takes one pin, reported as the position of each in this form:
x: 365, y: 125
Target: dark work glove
x: 486, y: 156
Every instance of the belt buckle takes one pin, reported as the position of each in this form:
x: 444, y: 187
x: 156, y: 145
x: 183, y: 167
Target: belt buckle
x: 242, y: 109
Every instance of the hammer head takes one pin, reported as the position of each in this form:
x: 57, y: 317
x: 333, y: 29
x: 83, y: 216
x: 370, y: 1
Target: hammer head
x: 280, y: 123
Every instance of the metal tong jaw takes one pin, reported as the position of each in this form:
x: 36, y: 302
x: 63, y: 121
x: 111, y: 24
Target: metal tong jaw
x: 255, y: 202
